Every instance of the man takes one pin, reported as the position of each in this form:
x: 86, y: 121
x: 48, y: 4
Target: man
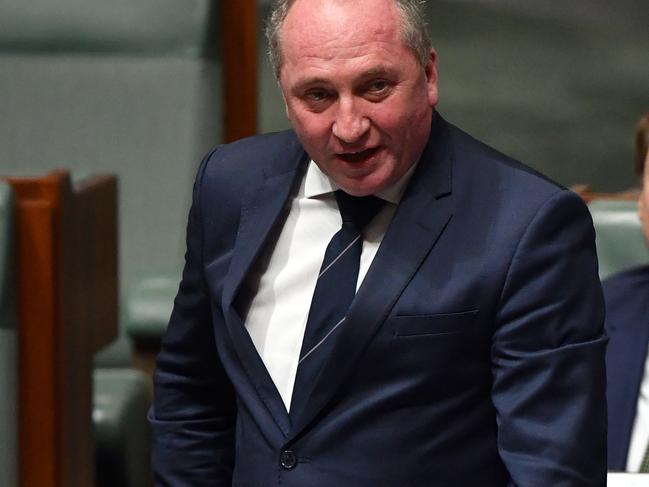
x: 472, y: 352
x: 627, y: 323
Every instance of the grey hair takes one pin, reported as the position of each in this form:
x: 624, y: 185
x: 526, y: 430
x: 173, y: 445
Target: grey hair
x: 413, y: 30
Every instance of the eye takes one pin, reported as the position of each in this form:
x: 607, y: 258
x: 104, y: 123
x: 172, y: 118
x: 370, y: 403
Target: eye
x: 317, y: 99
x: 377, y: 90
x: 316, y: 95
x: 378, y: 86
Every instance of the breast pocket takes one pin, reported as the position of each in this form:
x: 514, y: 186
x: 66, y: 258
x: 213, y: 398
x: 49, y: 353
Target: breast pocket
x: 435, y: 324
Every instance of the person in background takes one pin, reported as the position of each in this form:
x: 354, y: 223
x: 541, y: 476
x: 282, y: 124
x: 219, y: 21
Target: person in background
x: 627, y: 322
x: 375, y: 298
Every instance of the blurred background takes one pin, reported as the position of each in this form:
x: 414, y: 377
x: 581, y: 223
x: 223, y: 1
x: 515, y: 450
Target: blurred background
x: 135, y: 87
x: 142, y: 89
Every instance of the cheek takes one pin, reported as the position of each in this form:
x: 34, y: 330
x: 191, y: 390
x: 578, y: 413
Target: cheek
x: 394, y: 121
x: 312, y: 128
x: 315, y: 139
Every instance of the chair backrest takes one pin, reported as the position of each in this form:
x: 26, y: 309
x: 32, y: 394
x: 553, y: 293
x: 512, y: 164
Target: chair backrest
x: 619, y: 239
x: 66, y: 305
x: 8, y: 345
x: 131, y: 87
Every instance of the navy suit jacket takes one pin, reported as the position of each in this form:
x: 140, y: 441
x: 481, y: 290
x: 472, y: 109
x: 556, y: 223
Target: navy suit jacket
x: 627, y: 322
x: 472, y: 355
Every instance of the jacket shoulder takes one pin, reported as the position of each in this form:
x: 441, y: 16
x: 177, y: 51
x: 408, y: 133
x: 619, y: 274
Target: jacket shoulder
x: 487, y: 162
x: 254, y: 152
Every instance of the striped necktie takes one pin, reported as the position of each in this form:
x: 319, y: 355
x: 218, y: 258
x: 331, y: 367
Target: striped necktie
x: 334, y: 290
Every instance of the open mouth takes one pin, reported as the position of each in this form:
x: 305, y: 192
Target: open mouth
x: 355, y: 157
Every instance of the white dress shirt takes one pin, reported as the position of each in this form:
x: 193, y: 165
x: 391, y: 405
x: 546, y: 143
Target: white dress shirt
x: 281, y: 286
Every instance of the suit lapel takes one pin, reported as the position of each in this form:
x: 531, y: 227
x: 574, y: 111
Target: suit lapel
x: 420, y: 219
x: 262, y: 209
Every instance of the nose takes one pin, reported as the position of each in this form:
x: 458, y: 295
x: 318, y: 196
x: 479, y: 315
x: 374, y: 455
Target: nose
x: 350, y: 125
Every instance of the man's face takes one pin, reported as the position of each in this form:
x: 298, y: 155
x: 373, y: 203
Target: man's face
x: 643, y: 200
x: 358, y: 99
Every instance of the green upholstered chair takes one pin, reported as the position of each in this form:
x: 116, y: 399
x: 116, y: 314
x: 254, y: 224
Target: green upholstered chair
x: 149, y: 308
x: 8, y: 346
x: 619, y: 239
x: 127, y: 87
x: 121, y: 401
x: 147, y: 313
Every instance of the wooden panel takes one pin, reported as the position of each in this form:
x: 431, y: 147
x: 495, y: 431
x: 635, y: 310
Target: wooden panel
x: 588, y: 195
x: 89, y: 309
x: 239, y: 28
x: 38, y: 383
x: 95, y: 235
x: 66, y: 241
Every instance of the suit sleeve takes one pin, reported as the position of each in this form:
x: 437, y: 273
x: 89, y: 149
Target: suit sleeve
x: 194, y: 409
x: 548, y: 351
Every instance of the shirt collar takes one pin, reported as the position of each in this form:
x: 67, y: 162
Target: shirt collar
x: 318, y: 183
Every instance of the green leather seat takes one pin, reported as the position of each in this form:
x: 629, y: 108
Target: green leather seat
x: 148, y: 308
x: 8, y: 345
x: 122, y: 436
x: 618, y: 235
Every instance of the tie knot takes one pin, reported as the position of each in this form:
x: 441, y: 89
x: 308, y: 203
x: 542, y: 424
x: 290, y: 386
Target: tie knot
x: 358, y: 210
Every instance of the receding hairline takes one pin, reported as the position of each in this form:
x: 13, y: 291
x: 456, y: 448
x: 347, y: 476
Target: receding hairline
x: 409, y: 15
x: 296, y: 33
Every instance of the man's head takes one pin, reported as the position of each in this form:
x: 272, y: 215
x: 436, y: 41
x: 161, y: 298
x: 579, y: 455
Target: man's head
x: 642, y: 169
x: 359, y: 82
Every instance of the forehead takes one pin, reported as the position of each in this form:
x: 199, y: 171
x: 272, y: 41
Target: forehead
x: 339, y: 28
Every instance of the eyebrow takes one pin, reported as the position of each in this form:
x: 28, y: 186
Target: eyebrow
x: 379, y: 70
x: 305, y: 83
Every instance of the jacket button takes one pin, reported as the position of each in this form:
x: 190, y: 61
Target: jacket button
x: 288, y: 459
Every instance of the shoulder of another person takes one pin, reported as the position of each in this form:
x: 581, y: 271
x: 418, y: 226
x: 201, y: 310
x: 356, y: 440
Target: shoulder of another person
x: 626, y: 296
x: 628, y: 284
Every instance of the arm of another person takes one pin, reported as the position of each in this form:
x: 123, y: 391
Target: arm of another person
x: 548, y: 353
x: 194, y: 407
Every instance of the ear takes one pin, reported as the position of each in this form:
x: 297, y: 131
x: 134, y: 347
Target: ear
x: 643, y: 197
x: 430, y: 70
